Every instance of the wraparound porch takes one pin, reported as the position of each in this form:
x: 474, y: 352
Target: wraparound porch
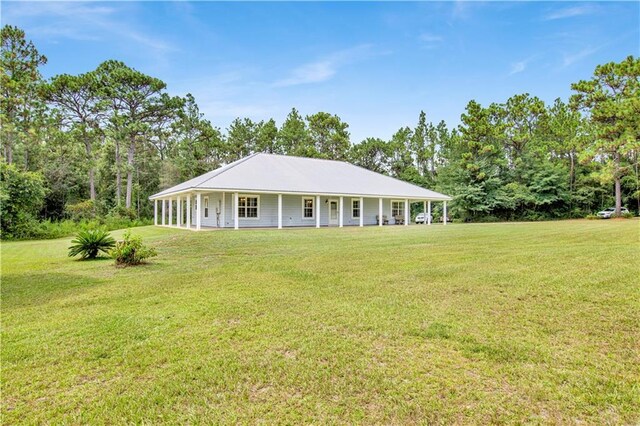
x: 208, y: 210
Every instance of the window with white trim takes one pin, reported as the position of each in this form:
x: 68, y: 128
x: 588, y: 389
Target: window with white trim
x: 355, y: 209
x: 397, y: 208
x: 206, y: 206
x: 248, y: 207
x: 307, y: 207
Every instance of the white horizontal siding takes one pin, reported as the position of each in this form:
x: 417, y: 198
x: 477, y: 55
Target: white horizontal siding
x: 268, y: 211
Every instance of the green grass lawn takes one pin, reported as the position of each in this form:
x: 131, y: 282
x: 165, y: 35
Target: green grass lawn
x: 487, y: 323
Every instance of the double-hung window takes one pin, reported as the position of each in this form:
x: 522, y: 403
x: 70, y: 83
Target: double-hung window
x: 248, y: 207
x: 206, y: 206
x: 355, y: 209
x: 307, y: 208
x: 397, y: 208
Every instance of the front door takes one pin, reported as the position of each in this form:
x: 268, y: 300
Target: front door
x: 333, y: 212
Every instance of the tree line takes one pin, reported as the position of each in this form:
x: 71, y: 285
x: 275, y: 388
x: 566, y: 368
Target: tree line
x: 106, y: 139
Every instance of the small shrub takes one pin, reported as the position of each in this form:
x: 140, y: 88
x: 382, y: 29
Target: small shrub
x: 88, y: 244
x: 488, y: 219
x: 130, y: 250
x: 627, y: 215
x: 84, y: 210
x: 593, y: 217
x: 535, y: 216
x: 123, y: 213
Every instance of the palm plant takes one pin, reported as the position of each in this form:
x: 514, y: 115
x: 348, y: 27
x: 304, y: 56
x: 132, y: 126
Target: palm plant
x: 88, y: 244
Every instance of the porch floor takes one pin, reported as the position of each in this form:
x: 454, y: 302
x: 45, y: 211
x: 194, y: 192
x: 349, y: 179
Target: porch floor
x: 214, y: 228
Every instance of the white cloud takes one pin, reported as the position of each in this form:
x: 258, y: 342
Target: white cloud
x: 460, y: 9
x: 430, y: 41
x: 570, y: 59
x: 518, y: 67
x: 314, y: 72
x: 81, y: 21
x: 569, y: 12
x: 430, y: 38
x: 324, y: 68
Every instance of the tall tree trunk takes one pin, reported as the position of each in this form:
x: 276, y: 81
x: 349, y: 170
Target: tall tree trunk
x: 635, y: 154
x: 118, y: 174
x: 572, y: 170
x: 92, y: 187
x: 10, y: 140
x: 138, y: 193
x: 130, y: 154
x: 617, y: 180
x: 572, y: 178
x: 9, y: 153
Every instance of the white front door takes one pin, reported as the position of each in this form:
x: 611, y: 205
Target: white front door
x: 333, y: 212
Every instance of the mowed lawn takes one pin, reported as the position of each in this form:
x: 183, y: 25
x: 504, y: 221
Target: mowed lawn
x: 483, y: 323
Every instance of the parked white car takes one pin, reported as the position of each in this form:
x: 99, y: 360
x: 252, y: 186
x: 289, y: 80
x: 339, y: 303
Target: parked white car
x: 420, y: 217
x: 607, y: 213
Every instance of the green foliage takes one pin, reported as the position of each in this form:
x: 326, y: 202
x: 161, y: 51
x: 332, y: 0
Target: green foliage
x: 611, y: 100
x: 138, y: 110
x: 241, y: 140
x: 593, y: 217
x: 399, y: 150
x: 267, y: 140
x: 627, y: 215
x: 371, y: 153
x: 293, y: 136
x: 194, y: 145
x: 115, y: 136
x: 21, y: 198
x: 88, y: 244
x: 84, y: 210
x: 123, y: 213
x: 130, y: 251
x: 47, y: 229
x: 518, y: 121
x: 21, y: 108
x: 328, y: 135
x: 77, y: 100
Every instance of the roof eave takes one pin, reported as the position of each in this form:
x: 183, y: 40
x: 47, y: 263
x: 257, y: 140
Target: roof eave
x: 160, y: 195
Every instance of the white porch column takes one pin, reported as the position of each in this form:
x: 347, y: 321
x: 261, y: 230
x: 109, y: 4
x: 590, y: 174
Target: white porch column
x: 429, y: 212
x: 222, y: 220
x: 235, y: 210
x: 163, y: 210
x: 406, y: 212
x: 170, y: 212
x: 198, y: 210
x: 179, y: 212
x: 279, y: 211
x: 379, y: 211
x: 341, y: 216
x: 424, y: 210
x: 317, y: 211
x: 361, y: 212
x: 189, y: 211
x: 155, y: 212
x: 444, y: 212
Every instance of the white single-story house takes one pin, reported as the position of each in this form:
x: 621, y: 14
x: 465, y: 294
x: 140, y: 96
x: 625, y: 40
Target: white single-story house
x: 267, y: 190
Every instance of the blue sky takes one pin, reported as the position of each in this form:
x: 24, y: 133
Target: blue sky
x: 376, y: 65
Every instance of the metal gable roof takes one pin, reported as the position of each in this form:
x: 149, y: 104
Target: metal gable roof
x: 286, y: 174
